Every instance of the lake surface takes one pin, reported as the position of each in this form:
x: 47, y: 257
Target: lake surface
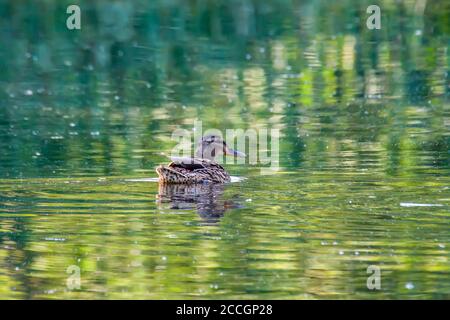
x: 364, y: 172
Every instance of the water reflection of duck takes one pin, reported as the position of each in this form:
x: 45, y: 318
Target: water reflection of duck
x: 202, y: 168
x: 205, y: 198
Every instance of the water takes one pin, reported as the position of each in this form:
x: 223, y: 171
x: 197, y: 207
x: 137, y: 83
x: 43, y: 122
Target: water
x: 86, y: 116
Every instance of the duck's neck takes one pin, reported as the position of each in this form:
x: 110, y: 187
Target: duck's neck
x: 203, y: 152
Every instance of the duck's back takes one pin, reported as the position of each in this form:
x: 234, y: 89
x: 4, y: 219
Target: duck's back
x: 192, y: 170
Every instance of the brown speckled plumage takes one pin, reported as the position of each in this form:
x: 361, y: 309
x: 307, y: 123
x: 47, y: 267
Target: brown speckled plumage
x: 184, y: 173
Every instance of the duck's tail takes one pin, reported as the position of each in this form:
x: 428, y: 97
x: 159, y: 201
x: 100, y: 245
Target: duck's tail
x: 168, y: 175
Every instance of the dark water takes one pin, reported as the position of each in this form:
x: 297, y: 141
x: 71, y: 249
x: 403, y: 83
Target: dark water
x: 364, y: 118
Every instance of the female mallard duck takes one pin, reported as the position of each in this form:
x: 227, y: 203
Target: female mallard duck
x: 202, y: 168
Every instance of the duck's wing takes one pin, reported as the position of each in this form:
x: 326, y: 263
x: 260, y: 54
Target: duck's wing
x: 191, y: 164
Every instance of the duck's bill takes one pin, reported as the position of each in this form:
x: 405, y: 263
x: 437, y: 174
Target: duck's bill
x: 234, y: 153
x: 239, y: 154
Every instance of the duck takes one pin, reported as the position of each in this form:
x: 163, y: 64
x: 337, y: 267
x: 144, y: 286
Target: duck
x: 202, y: 168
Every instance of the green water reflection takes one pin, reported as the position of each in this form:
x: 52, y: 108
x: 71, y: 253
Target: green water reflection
x: 364, y: 171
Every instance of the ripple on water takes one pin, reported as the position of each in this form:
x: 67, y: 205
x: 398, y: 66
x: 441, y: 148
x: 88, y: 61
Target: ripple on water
x: 411, y: 204
x: 233, y: 179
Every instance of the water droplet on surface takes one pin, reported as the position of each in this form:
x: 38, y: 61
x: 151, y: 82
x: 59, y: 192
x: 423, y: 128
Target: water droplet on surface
x: 54, y: 239
x: 409, y: 286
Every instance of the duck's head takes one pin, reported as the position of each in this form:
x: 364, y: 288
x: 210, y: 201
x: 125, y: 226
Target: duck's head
x: 212, y: 146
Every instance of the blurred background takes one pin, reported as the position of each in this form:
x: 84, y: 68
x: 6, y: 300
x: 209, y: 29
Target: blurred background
x: 364, y: 118
x: 139, y: 69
